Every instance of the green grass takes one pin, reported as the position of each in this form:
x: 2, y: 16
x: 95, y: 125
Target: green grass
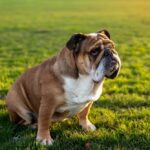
x: 33, y: 30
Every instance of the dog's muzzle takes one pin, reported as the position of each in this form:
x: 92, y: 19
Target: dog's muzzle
x: 112, y: 65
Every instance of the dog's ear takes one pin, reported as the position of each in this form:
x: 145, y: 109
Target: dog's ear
x: 75, y: 41
x: 104, y: 31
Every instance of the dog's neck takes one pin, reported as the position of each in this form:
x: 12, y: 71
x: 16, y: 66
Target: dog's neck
x: 66, y: 64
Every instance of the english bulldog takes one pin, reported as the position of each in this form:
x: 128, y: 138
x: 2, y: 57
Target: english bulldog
x: 64, y: 85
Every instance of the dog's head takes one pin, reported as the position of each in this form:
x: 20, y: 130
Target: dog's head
x: 95, y: 54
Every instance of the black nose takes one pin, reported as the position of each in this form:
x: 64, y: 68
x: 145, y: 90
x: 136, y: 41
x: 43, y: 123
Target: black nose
x: 107, y: 53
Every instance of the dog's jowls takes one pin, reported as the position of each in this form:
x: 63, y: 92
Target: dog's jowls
x: 64, y: 85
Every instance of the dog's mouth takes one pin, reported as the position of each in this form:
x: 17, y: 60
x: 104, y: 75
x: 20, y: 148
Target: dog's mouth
x: 113, y: 70
x: 114, y: 73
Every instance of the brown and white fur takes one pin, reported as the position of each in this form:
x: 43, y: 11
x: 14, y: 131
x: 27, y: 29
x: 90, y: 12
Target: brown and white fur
x: 64, y: 85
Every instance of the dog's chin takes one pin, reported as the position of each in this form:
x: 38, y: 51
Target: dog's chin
x: 113, y: 75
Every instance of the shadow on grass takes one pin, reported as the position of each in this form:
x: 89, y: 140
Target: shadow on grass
x: 69, y: 135
x: 21, y: 137
x: 14, y: 136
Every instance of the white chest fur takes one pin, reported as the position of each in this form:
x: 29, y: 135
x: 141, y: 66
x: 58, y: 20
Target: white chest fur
x: 78, y: 93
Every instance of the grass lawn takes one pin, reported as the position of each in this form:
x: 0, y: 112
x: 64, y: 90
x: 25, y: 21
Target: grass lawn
x: 33, y: 30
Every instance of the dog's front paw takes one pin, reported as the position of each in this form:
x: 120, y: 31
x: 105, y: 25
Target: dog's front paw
x: 88, y: 126
x: 47, y: 141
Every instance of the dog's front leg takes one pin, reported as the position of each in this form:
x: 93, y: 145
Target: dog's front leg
x: 45, y: 113
x: 83, y: 119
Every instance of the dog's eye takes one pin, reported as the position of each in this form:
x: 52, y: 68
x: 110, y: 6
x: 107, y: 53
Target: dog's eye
x: 95, y: 51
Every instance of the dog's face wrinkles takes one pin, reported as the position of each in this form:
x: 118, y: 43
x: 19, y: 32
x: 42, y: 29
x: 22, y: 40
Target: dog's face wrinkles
x: 95, y: 55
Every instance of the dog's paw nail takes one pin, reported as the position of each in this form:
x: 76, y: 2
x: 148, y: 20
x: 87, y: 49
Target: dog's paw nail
x: 89, y: 127
x: 47, y: 141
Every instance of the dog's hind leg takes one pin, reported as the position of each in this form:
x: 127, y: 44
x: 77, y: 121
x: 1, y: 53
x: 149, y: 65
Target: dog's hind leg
x: 27, y: 117
x: 21, y: 116
x: 18, y: 111
x: 14, y: 116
